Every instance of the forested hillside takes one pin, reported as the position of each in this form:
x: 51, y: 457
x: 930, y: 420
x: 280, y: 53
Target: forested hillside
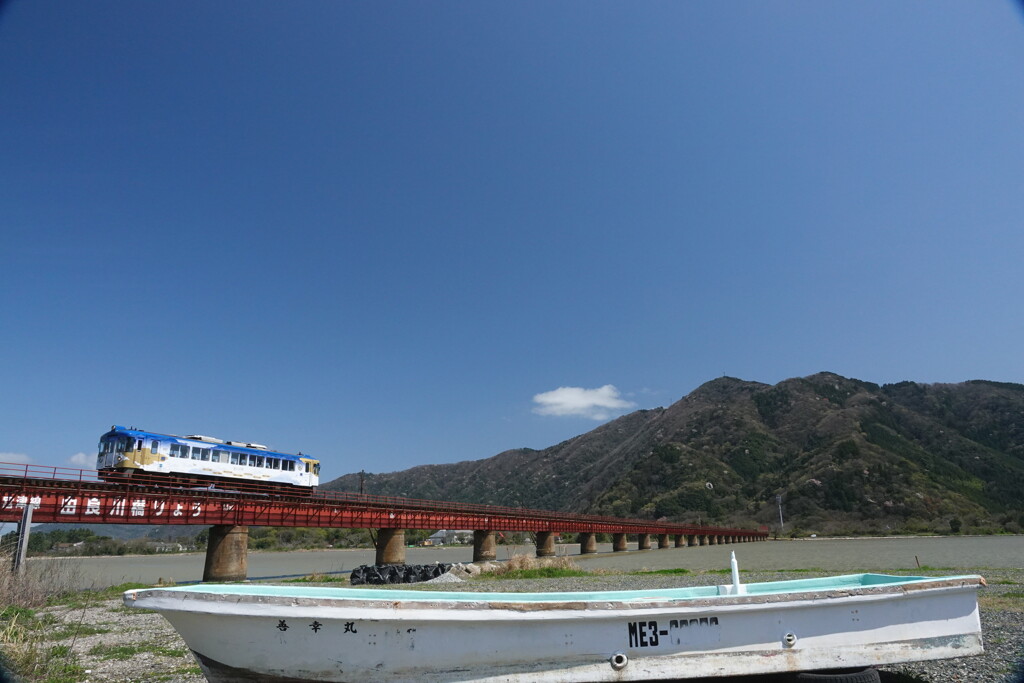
x: 844, y: 454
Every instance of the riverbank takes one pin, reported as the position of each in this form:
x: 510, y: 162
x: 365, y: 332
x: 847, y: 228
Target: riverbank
x: 122, y: 645
x: 843, y: 556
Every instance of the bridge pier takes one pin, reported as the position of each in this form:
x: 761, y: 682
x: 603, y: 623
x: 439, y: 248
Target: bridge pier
x: 545, y: 543
x: 227, y: 553
x: 588, y: 543
x: 643, y: 541
x: 662, y: 541
x: 678, y: 541
x: 390, y: 546
x: 485, y: 547
x: 619, y: 543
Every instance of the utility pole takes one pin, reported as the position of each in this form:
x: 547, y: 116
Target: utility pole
x: 21, y: 549
x: 778, y: 499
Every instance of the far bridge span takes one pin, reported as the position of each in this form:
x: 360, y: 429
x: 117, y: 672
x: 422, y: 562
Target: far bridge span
x: 50, y: 494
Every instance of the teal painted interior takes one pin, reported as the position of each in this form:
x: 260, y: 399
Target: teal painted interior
x: 773, y: 587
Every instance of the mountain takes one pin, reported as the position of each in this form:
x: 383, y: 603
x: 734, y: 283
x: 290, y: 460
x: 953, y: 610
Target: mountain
x: 847, y: 456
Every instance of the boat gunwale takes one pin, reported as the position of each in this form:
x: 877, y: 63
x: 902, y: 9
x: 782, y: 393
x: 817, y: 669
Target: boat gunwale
x: 192, y: 600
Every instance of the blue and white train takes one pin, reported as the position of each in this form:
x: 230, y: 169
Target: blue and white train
x: 203, y: 460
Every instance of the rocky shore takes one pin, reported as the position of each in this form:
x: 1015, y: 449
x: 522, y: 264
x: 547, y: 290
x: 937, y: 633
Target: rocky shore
x: 161, y: 655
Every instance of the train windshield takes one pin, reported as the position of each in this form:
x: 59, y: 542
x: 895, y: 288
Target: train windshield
x: 115, y: 444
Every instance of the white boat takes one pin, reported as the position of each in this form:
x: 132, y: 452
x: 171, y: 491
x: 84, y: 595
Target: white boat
x: 248, y: 632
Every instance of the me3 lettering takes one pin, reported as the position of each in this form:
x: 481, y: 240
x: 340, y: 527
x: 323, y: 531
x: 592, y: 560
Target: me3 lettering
x: 647, y: 633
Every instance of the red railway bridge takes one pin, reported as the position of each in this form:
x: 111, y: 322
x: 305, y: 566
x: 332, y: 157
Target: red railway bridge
x: 53, y: 494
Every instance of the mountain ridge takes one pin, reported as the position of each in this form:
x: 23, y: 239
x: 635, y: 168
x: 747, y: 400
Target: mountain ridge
x: 847, y: 456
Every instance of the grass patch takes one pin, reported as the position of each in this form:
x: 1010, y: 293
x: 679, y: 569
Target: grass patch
x: 89, y: 598
x: 13, y: 612
x: 1007, y: 602
x: 318, y: 578
x: 75, y: 631
x: 537, y: 573
x: 123, y: 609
x: 526, y: 567
x: 27, y: 635
x: 670, y: 572
x: 123, y: 652
x: 23, y: 643
x: 175, y: 674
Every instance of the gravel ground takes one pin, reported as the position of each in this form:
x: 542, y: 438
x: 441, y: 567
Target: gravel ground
x: 164, y: 656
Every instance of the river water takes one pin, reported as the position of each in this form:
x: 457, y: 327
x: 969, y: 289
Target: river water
x: 829, y: 554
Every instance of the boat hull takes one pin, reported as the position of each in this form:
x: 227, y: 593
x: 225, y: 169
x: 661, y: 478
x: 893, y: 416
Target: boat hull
x: 285, y: 638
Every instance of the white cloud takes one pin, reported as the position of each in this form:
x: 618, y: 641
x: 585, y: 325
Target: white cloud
x: 16, y: 458
x: 596, y: 404
x: 81, y: 459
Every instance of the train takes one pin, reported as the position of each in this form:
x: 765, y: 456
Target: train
x: 198, y: 460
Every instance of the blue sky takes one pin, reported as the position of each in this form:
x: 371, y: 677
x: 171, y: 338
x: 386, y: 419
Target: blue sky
x: 392, y: 234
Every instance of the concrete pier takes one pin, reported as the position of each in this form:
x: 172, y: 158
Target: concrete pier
x: 619, y: 543
x: 643, y: 541
x: 588, y: 543
x: 390, y: 546
x: 485, y: 547
x: 545, y: 543
x: 662, y: 541
x: 680, y: 541
x: 227, y: 553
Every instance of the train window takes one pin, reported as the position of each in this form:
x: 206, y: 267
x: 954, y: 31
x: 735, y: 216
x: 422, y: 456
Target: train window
x: 252, y: 461
x: 179, y: 451
x: 316, y: 469
x: 138, y: 445
x: 204, y: 454
x: 154, y: 446
x: 220, y: 456
x: 259, y: 461
x: 234, y: 458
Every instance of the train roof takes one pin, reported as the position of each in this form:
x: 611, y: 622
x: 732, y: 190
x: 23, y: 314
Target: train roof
x: 254, y: 449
